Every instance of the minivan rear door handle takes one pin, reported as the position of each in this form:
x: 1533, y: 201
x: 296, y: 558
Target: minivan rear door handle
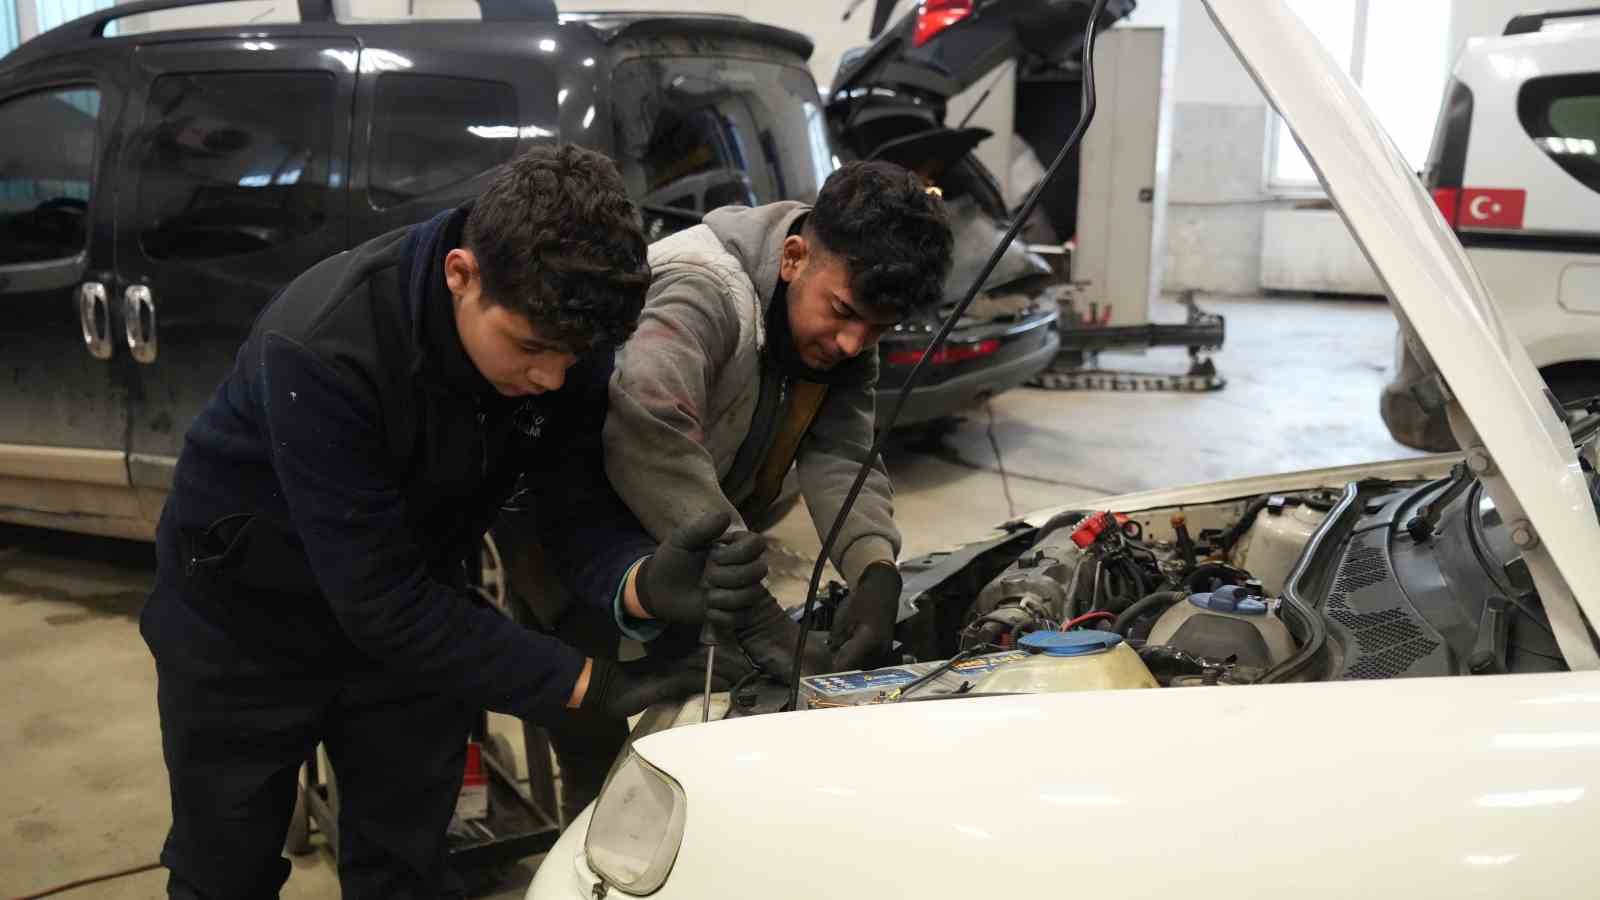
x: 94, y: 317
x: 139, y: 320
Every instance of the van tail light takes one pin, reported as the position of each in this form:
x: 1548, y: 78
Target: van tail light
x: 1448, y: 200
x: 934, y: 16
x: 950, y: 353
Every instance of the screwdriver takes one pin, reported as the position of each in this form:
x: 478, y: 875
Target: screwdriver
x: 708, y: 639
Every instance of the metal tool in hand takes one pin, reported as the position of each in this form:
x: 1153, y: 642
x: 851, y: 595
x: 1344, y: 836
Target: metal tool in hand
x: 708, y: 639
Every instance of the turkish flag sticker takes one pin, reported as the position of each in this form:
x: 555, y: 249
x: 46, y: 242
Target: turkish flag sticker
x: 1492, y: 207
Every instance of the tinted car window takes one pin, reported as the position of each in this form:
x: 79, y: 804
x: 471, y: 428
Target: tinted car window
x: 1562, y: 115
x: 234, y: 162
x: 430, y: 132
x: 696, y: 133
x: 45, y: 180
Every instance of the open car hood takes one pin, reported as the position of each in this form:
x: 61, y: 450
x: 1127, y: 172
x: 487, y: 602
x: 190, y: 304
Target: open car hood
x: 1498, y: 406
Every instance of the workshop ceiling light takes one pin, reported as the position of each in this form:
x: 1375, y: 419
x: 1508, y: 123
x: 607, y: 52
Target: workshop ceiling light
x: 934, y: 16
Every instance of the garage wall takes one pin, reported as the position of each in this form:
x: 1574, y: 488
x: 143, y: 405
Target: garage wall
x: 1219, y: 199
x: 1217, y: 193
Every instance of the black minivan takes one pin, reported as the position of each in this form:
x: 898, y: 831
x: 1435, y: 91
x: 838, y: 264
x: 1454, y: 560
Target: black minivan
x: 158, y: 188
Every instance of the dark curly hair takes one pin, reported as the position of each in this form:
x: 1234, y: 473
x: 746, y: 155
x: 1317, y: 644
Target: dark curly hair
x: 558, y: 241
x: 892, y: 233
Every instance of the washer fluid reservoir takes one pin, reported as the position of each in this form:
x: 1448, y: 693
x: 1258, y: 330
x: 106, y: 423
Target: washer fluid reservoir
x: 1061, y: 661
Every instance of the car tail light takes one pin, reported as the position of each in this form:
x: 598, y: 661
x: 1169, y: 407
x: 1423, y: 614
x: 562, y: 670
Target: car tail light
x: 1447, y: 198
x: 935, y: 16
x: 950, y: 353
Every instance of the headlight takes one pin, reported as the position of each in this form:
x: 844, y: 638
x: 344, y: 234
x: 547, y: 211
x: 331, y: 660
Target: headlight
x: 637, y: 827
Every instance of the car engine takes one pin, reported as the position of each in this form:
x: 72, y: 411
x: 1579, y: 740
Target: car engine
x: 1380, y: 580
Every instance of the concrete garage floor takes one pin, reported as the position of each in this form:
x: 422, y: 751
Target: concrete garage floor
x: 84, y: 790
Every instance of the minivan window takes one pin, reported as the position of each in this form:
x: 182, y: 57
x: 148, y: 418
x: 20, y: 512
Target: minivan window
x: 429, y: 133
x: 1562, y: 115
x: 696, y: 133
x: 233, y: 162
x: 45, y: 180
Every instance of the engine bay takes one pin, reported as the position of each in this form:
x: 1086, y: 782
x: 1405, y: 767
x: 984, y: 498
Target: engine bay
x: 1378, y: 580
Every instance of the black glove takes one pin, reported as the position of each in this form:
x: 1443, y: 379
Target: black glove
x: 623, y: 689
x: 768, y: 636
x: 864, y: 629
x: 693, y: 575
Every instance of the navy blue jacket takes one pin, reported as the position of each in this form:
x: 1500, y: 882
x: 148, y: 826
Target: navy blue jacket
x: 329, y: 493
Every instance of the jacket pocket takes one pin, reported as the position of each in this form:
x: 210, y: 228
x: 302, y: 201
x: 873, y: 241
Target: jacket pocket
x: 247, y: 551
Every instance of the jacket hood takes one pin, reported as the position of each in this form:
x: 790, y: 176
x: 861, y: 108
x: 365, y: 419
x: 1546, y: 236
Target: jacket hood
x: 439, y: 351
x: 755, y: 235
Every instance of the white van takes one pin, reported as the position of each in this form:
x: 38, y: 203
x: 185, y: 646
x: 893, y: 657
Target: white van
x: 1515, y: 170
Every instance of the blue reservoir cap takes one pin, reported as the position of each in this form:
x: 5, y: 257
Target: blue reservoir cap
x: 1232, y: 599
x: 1069, y: 643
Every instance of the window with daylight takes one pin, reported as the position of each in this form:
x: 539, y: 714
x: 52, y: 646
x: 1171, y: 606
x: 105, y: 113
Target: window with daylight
x: 10, y: 32
x: 1396, y: 53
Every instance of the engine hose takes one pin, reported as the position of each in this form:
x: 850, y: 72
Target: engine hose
x: 1059, y: 520
x: 1192, y: 582
x: 1142, y: 607
x: 1316, y: 637
x: 1123, y: 586
x: 1140, y: 586
x: 1230, y: 537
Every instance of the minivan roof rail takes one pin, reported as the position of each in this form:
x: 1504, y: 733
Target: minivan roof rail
x: 1533, y: 22
x: 93, y: 25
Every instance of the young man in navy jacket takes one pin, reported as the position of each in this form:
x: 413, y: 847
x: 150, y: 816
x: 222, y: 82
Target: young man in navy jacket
x: 311, y: 558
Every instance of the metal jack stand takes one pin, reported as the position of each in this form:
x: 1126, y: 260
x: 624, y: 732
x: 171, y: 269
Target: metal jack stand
x: 518, y: 825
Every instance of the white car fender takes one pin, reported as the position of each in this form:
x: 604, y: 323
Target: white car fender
x: 1449, y: 787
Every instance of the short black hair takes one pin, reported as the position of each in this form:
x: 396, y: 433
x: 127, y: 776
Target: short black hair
x: 558, y: 241
x: 892, y: 232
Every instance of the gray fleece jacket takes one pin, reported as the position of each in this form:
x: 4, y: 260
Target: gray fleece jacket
x: 695, y: 384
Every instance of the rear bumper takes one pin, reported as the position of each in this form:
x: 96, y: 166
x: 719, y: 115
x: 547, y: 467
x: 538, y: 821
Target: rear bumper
x: 935, y: 401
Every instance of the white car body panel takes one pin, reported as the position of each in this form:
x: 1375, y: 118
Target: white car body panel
x: 1456, y: 787
x: 1501, y: 154
x: 1420, y: 468
x: 1459, y: 787
x: 1528, y: 285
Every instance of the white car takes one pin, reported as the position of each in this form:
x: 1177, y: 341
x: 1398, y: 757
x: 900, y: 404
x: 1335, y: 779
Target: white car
x: 1515, y: 169
x: 1377, y: 753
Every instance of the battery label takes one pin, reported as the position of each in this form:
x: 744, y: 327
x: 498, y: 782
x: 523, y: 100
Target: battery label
x: 851, y: 682
x: 845, y: 683
x: 987, y: 663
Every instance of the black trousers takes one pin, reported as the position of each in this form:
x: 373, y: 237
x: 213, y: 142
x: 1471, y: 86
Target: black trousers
x: 235, y: 731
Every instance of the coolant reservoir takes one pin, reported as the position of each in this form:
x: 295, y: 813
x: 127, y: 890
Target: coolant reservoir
x: 1274, y: 542
x: 1061, y: 661
x: 1227, y: 622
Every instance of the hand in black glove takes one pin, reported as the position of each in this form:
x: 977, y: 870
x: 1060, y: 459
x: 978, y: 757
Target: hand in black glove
x: 768, y: 636
x: 864, y: 629
x: 694, y: 575
x: 622, y: 689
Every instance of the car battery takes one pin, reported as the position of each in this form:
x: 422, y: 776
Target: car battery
x: 860, y: 688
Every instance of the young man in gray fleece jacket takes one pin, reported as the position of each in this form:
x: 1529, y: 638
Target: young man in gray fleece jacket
x: 755, y: 353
